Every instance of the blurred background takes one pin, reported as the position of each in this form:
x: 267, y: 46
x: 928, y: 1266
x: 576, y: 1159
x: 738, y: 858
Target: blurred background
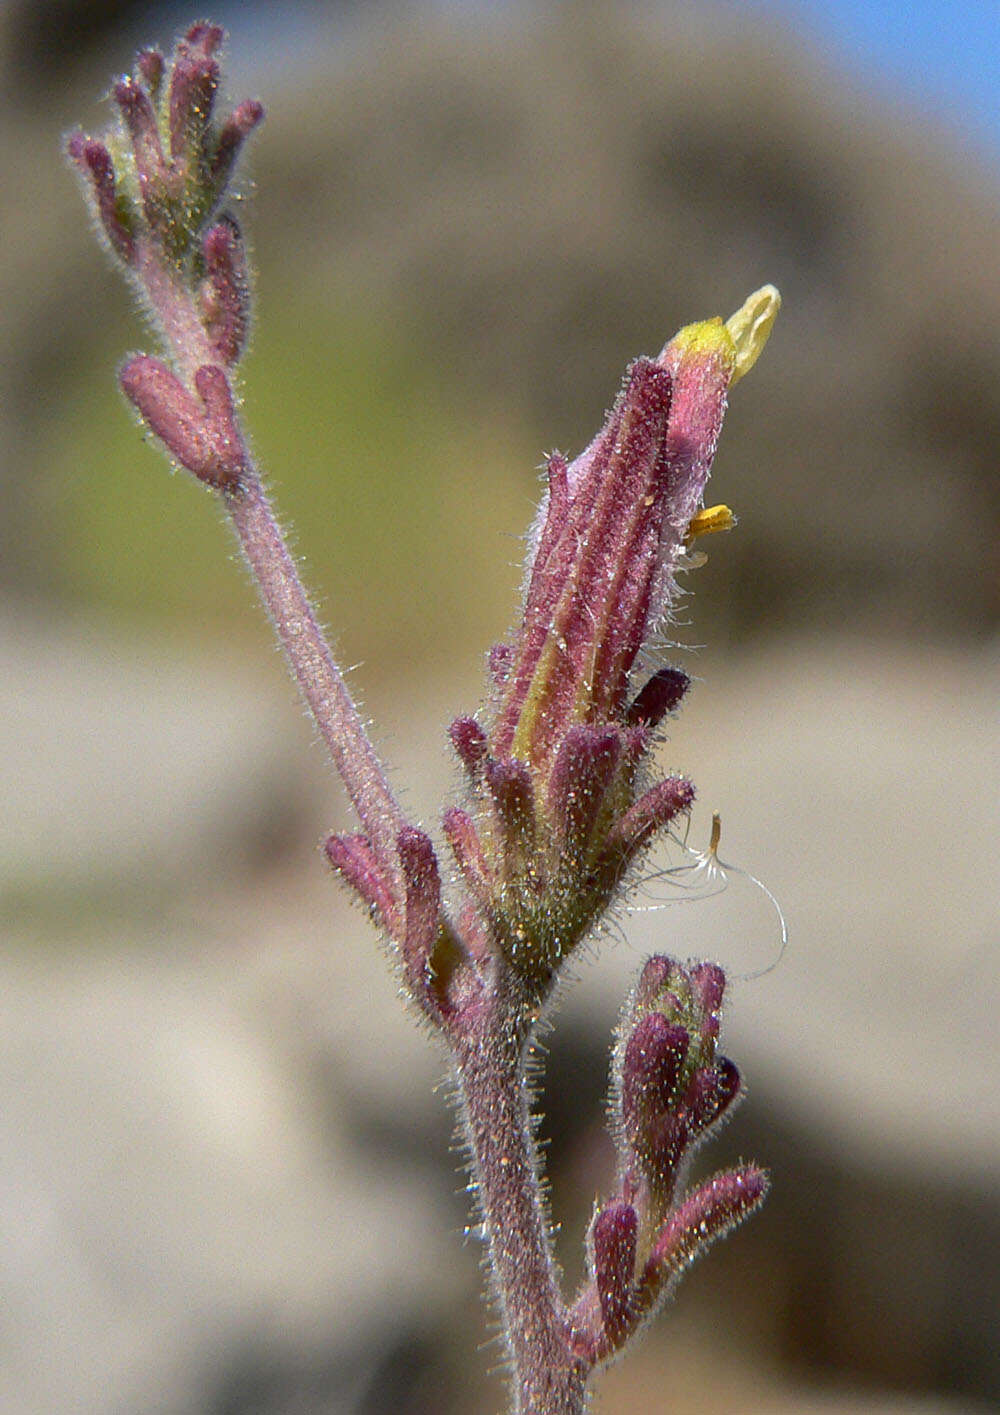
x: 227, y: 1185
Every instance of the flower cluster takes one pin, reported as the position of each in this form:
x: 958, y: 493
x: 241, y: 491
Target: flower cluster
x: 558, y: 814
x: 156, y: 185
x: 670, y: 1089
x: 558, y: 807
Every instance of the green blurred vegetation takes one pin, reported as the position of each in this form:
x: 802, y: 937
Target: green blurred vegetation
x: 373, y: 467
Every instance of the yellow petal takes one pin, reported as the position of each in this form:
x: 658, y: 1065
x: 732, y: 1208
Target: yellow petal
x: 750, y: 326
x: 709, y: 520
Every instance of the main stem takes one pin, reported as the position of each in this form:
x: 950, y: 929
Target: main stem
x: 548, y: 1373
x: 316, y: 672
x: 548, y: 1376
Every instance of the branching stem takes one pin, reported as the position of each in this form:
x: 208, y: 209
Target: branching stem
x: 548, y: 1373
x: 553, y: 820
x: 314, y: 667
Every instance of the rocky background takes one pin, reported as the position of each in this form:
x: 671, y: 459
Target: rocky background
x: 226, y: 1182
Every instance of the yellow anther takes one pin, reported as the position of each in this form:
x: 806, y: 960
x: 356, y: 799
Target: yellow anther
x: 750, y: 326
x: 709, y: 520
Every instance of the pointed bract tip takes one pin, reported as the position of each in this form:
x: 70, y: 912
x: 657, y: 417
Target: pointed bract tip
x: 354, y: 860
x: 499, y: 660
x: 656, y: 808
x: 702, y: 1217
x: 582, y: 777
x: 512, y: 790
x: 93, y: 161
x: 659, y: 696
x: 194, y: 82
x: 614, y: 1237
x: 709, y: 983
x: 224, y: 296
x: 659, y: 975
x: 232, y: 135
x: 423, y: 894
x: 205, y: 35
x: 461, y: 834
x: 245, y: 117
x: 712, y: 1091
x: 150, y: 64
x: 203, y: 436
x: 469, y: 742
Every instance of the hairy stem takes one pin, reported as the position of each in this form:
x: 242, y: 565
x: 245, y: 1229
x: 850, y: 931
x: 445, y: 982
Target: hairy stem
x: 547, y: 1374
x: 170, y: 301
x: 315, y: 669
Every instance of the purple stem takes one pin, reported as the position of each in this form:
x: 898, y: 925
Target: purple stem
x: 316, y: 671
x: 548, y: 1372
x: 176, y: 312
x: 489, y: 1036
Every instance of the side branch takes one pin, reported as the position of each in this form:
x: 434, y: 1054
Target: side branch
x: 316, y: 672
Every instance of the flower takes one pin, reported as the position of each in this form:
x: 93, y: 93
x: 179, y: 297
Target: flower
x: 558, y: 814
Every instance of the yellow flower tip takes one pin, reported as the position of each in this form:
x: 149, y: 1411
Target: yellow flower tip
x: 750, y: 327
x: 709, y: 520
x: 706, y: 339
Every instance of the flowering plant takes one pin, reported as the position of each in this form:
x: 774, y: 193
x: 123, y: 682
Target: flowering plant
x: 561, y: 799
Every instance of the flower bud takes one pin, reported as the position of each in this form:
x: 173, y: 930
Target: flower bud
x: 610, y: 536
x: 669, y: 1085
x: 652, y: 1070
x: 180, y: 163
x: 593, y: 578
x: 668, y: 1089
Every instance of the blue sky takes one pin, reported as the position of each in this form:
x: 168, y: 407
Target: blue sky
x: 942, y: 55
x: 937, y: 56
